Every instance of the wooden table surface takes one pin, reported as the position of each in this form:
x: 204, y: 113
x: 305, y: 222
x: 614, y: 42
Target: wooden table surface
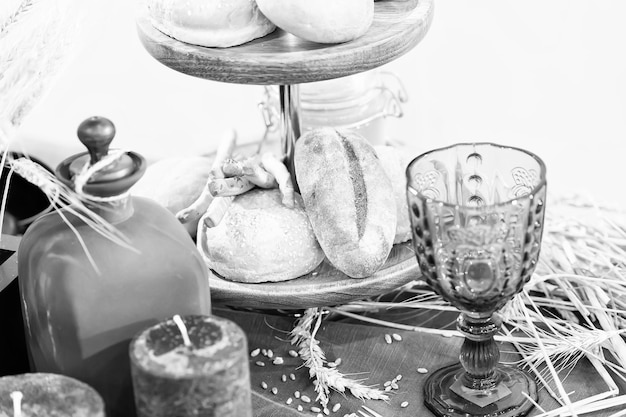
x: 366, y: 355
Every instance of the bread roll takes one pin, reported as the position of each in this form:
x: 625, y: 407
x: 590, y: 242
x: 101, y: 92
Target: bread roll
x: 259, y: 239
x: 323, y: 21
x: 395, y: 167
x: 212, y: 23
x: 348, y: 197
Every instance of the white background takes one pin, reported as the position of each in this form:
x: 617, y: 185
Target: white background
x: 545, y: 75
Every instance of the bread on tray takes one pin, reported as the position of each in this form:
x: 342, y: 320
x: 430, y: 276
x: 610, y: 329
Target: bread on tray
x: 348, y: 197
x: 323, y: 21
x: 260, y: 240
x: 214, y: 23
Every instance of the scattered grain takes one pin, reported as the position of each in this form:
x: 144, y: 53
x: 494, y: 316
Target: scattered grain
x: 296, y: 394
x: 270, y: 354
x: 292, y: 377
x: 338, y: 361
x: 388, y: 339
x: 259, y: 363
x: 293, y: 353
x: 325, y: 411
x: 336, y: 407
x: 278, y: 361
x: 274, y: 390
x: 387, y: 383
x: 397, y: 337
x: 388, y: 388
x: 255, y: 352
x: 283, y: 378
x: 299, y: 408
x: 316, y: 409
x: 264, y: 352
x: 422, y: 370
x: 405, y: 404
x: 264, y: 385
x: 394, y: 385
x: 305, y: 399
x: 289, y: 401
x: 399, y: 377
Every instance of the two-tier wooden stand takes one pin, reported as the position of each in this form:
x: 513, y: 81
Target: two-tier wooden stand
x: 287, y: 61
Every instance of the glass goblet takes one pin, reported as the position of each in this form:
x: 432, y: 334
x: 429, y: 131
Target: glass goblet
x: 477, y: 213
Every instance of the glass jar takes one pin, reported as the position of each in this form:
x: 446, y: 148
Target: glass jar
x: 362, y: 102
x: 84, y: 296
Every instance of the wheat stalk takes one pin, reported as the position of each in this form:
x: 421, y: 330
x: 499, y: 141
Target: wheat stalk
x: 325, y: 377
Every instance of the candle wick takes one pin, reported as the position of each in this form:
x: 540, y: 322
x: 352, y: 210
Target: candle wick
x: 183, y: 330
x: 16, y: 396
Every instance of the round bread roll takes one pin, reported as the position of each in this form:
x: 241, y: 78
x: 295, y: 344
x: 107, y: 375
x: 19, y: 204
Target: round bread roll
x: 323, y: 21
x: 259, y: 240
x: 175, y: 183
x: 348, y: 197
x: 395, y: 167
x: 212, y: 23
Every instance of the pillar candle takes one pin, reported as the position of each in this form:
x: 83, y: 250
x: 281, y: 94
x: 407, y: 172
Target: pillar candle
x: 195, y: 368
x: 48, y: 395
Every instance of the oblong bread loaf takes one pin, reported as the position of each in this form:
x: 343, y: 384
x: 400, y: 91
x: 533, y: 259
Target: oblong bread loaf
x: 348, y: 198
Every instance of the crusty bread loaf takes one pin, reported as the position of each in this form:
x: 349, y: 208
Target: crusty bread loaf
x: 259, y: 239
x: 395, y: 167
x: 348, y: 197
x: 212, y: 23
x: 323, y: 21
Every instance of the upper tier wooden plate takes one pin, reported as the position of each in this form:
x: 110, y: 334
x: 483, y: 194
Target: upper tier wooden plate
x: 280, y: 58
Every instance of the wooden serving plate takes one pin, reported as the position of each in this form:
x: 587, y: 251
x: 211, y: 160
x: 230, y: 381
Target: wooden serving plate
x: 281, y: 58
x: 326, y: 286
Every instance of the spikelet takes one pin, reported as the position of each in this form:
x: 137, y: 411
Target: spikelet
x: 325, y: 377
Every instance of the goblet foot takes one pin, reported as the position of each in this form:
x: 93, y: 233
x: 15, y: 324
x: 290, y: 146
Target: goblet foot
x: 507, y: 399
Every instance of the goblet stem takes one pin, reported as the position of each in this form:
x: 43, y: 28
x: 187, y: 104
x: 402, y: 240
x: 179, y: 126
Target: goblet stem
x: 479, y: 354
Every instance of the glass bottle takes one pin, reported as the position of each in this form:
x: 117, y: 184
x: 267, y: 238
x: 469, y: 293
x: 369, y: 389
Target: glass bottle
x: 83, y: 304
x: 361, y: 102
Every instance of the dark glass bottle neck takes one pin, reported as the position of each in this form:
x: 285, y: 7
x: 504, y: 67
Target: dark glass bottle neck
x: 113, y: 210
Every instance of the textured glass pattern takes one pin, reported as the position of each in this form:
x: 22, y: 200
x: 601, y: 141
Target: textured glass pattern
x: 477, y: 215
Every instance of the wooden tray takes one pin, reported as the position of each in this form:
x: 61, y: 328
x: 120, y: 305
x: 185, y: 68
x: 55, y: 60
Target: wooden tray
x: 326, y: 286
x: 280, y: 58
x: 323, y: 287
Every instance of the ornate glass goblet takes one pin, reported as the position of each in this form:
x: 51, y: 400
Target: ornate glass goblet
x: 477, y: 214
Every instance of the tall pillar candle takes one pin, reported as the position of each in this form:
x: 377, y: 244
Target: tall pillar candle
x: 48, y: 395
x: 191, y: 366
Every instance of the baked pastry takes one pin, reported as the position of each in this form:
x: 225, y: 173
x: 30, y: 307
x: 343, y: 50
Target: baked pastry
x: 323, y: 21
x: 211, y: 23
x: 175, y: 183
x: 260, y: 239
x: 348, y: 197
x: 395, y: 167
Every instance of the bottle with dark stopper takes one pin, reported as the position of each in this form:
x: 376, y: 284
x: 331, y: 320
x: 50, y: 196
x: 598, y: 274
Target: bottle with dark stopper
x: 84, y: 295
